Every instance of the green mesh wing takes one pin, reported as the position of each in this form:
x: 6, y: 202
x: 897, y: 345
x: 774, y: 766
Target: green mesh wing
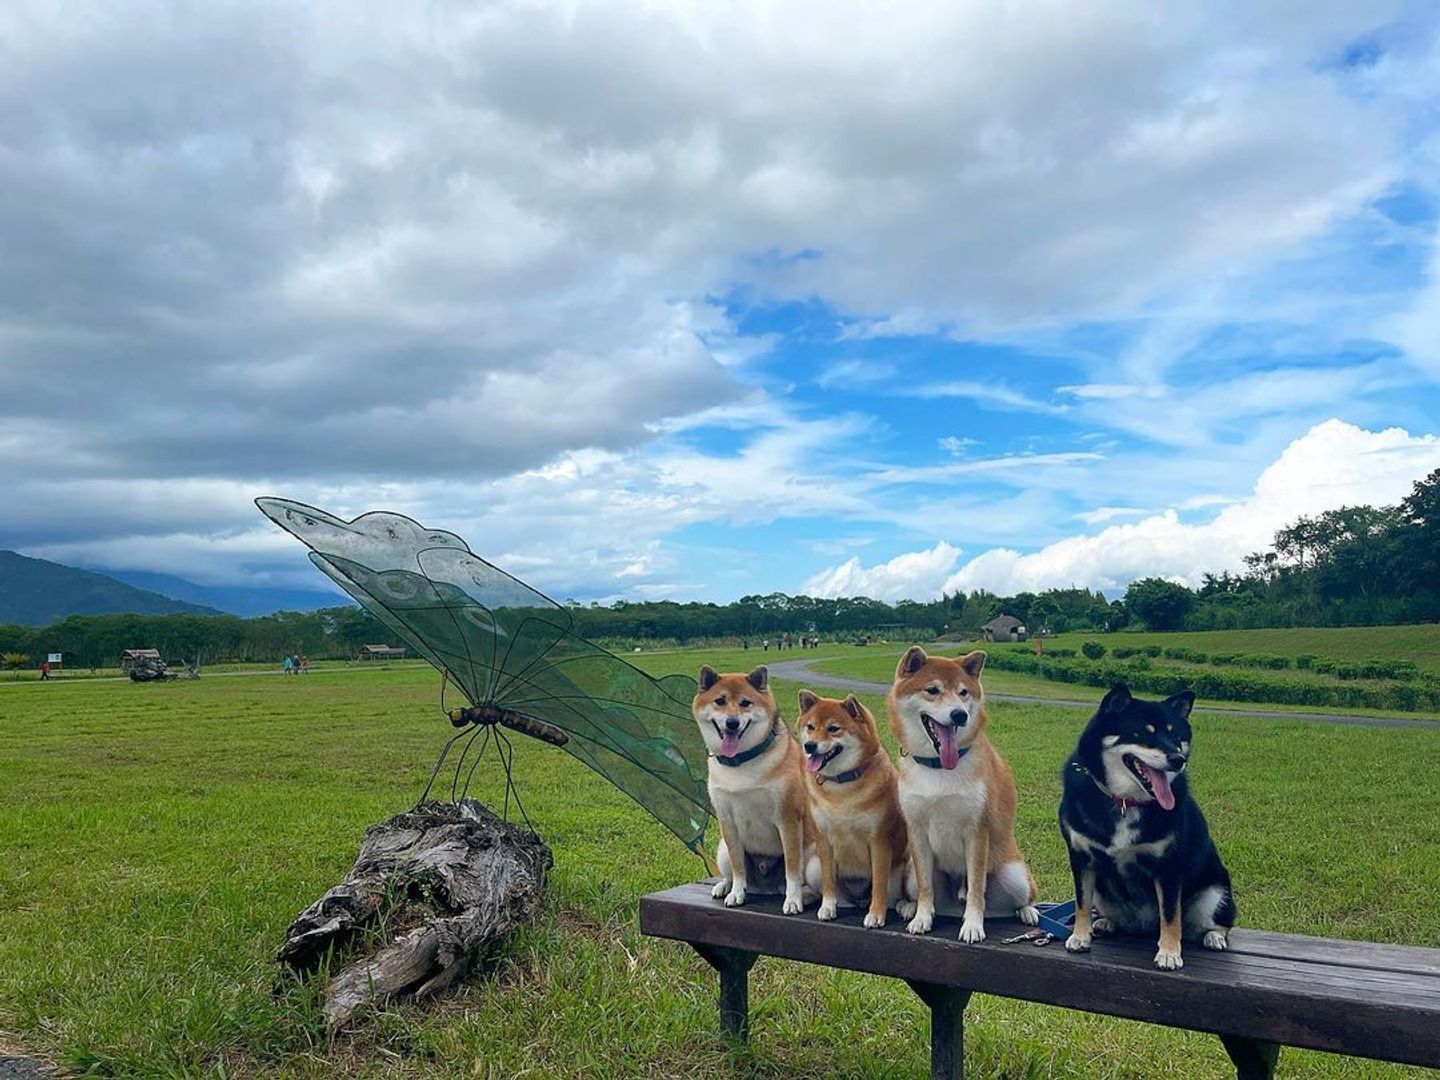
x: 505, y: 644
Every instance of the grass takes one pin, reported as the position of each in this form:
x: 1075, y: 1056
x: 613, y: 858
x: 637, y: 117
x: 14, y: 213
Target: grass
x: 158, y: 839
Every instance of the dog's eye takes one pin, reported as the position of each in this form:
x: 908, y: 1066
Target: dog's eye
x: 964, y: 692
x: 932, y: 690
x: 720, y: 700
x: 744, y: 703
x: 833, y: 729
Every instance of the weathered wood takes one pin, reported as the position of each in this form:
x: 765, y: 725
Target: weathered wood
x: 947, y: 1028
x: 1379, y: 1002
x: 433, y: 890
x: 734, y: 967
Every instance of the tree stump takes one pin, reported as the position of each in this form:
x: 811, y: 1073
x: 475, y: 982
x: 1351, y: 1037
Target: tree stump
x: 434, y: 890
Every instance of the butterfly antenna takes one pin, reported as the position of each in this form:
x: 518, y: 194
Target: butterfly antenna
x: 439, y: 762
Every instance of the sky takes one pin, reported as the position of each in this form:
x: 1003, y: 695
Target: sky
x: 694, y: 301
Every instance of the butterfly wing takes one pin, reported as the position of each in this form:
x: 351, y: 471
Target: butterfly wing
x: 503, y: 643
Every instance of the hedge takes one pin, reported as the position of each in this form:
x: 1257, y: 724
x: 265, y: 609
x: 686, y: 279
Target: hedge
x: 1222, y: 685
x: 1093, y: 650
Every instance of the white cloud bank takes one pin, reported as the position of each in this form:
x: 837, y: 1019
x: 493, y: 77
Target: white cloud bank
x: 1333, y: 464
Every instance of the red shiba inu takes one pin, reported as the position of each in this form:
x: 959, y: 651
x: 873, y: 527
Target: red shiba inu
x: 860, y: 843
x: 757, y: 788
x: 958, y: 796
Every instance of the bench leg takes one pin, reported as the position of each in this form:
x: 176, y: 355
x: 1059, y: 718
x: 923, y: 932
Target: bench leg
x: 1254, y: 1059
x: 734, y: 967
x: 947, y: 1028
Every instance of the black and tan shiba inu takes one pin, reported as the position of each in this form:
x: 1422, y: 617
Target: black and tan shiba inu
x: 1140, y: 851
x: 958, y: 797
x: 757, y: 788
x: 860, y: 845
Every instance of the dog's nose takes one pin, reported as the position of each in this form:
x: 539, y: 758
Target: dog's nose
x: 812, y: 748
x: 958, y: 716
x: 732, y: 723
x: 1176, y: 761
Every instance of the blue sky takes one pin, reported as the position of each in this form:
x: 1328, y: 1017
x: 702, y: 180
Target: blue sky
x: 659, y: 301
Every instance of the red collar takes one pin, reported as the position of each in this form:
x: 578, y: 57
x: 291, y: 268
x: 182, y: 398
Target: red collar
x: 1124, y: 804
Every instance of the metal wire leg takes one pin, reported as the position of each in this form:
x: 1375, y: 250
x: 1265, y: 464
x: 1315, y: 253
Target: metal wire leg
x: 439, y: 762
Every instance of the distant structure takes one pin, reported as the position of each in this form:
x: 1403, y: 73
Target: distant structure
x: 382, y: 652
x: 130, y: 657
x: 1004, y: 628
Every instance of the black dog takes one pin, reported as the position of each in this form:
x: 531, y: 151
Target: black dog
x: 1139, y: 848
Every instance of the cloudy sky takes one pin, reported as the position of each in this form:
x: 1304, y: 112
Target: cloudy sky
x: 699, y: 300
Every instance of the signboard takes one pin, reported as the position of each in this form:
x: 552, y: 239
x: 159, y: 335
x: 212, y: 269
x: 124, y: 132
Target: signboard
x: 54, y: 659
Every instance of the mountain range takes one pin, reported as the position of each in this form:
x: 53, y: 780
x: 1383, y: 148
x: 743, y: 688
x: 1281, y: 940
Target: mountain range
x: 36, y: 592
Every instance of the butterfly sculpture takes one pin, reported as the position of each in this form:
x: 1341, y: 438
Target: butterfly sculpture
x: 513, y: 653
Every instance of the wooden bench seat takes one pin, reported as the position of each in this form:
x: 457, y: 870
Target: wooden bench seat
x: 1267, y: 991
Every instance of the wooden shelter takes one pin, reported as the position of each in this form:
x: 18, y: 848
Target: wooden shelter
x: 129, y: 657
x: 382, y: 652
x: 1004, y: 628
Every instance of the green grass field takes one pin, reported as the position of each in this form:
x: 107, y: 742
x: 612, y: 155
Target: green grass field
x: 157, y: 839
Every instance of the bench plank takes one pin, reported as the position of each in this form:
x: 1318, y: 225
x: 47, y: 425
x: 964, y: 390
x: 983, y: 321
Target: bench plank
x: 1324, y: 995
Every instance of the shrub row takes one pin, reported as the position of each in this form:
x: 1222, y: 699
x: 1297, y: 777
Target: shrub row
x: 1221, y: 685
x: 1180, y: 652
x: 1122, y: 652
x: 1364, y: 669
x: 1346, y: 670
x: 1093, y: 650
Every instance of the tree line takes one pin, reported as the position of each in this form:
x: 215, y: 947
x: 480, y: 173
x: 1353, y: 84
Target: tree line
x: 1358, y: 565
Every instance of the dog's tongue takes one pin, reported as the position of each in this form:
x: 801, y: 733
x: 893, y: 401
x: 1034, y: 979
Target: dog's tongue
x: 1163, y: 795
x: 949, y: 753
x: 729, y: 743
x: 814, y: 762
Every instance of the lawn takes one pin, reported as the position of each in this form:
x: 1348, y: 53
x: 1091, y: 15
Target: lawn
x: 158, y: 838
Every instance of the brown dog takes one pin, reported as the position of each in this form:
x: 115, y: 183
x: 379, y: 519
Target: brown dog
x: 958, y: 796
x: 756, y: 786
x: 860, y: 843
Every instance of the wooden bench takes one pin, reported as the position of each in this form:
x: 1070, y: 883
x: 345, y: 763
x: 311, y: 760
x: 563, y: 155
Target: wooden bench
x: 1266, y: 991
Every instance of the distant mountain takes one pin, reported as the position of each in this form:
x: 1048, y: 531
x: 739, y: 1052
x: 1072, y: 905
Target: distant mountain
x: 34, y: 592
x: 235, y: 599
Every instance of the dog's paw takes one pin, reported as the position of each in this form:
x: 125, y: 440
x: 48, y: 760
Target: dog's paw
x: 906, y: 909
x: 1168, y: 961
x: 827, y: 910
x: 972, y: 931
x: 921, y: 922
x: 793, y: 905
x: 1078, y: 943
x: 721, y: 888
x: 1029, y: 915
x: 1218, y: 940
x: 736, y: 896
x: 873, y: 920
x: 1101, y: 925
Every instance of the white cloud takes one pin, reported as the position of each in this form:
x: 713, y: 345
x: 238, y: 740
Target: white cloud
x: 1333, y: 464
x: 956, y: 445
x: 914, y: 574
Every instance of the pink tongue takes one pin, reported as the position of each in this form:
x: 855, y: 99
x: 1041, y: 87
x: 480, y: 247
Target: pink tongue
x: 949, y: 754
x: 1163, y: 795
x: 814, y: 762
x: 729, y: 743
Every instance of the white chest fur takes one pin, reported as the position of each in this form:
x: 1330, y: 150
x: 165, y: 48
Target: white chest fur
x: 1122, y: 846
x: 946, y: 805
x: 752, y: 807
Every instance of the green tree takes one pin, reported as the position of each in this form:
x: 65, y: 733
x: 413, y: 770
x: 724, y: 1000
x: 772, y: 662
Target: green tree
x: 1160, y: 604
x: 15, y: 661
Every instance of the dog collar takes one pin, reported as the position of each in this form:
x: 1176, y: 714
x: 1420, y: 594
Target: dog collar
x: 934, y: 762
x: 754, y: 751
x: 841, y: 778
x: 1121, y: 803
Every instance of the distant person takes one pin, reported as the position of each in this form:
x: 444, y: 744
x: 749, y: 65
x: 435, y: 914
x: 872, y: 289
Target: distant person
x: 745, y: 644
x: 765, y: 645
x: 45, y: 671
x: 288, y: 666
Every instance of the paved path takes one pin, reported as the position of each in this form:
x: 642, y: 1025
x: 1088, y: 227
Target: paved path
x: 799, y: 671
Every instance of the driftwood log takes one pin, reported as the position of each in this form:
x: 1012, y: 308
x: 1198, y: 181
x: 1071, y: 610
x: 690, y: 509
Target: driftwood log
x: 434, y: 890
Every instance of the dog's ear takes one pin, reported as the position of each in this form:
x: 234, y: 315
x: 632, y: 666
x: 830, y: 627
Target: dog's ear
x: 1181, y: 704
x: 911, y: 662
x: 1117, y: 700
x: 807, y: 701
x: 853, y: 707
x: 759, y: 678
x: 708, y: 678
x: 973, y: 662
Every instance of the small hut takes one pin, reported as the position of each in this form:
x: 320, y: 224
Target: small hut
x: 1004, y: 628
x: 130, y: 657
x: 382, y: 652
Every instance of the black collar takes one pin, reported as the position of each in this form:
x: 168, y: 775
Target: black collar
x: 754, y: 752
x: 934, y: 762
x: 841, y: 778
